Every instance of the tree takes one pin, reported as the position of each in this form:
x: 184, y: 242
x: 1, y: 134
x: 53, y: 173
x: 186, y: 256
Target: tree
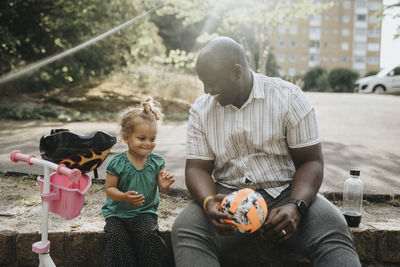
x: 253, y: 23
x: 31, y: 30
x: 342, y: 79
x: 314, y: 78
x: 392, y: 10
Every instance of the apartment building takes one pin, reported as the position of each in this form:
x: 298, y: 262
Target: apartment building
x: 346, y: 35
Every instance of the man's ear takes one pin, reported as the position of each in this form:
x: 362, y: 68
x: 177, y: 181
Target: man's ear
x: 236, y: 71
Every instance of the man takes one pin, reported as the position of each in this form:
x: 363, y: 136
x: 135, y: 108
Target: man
x: 254, y: 131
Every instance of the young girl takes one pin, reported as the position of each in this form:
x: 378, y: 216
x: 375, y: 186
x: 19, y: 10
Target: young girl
x: 133, y: 181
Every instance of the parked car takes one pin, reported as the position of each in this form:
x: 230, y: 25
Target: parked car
x: 386, y: 81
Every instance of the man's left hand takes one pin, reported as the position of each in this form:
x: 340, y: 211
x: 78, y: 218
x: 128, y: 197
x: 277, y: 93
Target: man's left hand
x: 281, y: 223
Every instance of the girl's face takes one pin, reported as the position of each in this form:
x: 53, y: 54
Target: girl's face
x: 142, y: 140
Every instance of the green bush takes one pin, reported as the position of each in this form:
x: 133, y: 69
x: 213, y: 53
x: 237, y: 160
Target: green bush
x: 314, y: 78
x: 342, y: 79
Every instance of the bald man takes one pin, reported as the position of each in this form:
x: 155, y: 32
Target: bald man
x: 252, y: 131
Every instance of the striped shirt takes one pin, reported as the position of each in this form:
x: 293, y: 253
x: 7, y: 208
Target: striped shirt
x: 250, y: 145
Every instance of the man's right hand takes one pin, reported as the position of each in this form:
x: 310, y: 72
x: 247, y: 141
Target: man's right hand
x: 216, y: 217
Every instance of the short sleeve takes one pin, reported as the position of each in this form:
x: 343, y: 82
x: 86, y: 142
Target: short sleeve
x: 158, y: 161
x: 196, y: 142
x: 301, y: 124
x: 114, y: 166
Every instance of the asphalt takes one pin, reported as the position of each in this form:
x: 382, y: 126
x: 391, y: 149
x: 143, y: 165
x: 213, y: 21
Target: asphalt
x: 357, y: 131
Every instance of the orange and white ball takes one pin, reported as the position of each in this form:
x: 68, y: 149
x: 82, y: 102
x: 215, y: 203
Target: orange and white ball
x: 248, y: 208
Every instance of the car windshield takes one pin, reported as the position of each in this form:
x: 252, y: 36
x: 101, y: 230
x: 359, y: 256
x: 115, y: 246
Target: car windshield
x: 384, y: 72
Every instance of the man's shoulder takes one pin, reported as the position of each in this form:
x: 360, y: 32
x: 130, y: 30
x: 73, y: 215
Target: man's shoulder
x: 203, y: 101
x: 276, y: 83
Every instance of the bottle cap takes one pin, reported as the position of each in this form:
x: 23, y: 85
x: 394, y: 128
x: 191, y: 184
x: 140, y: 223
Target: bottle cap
x: 355, y: 172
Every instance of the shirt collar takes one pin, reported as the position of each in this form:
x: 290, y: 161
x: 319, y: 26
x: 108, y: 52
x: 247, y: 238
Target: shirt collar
x: 258, y: 89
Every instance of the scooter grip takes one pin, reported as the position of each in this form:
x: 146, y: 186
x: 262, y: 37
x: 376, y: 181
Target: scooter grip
x: 16, y: 156
x: 74, y: 175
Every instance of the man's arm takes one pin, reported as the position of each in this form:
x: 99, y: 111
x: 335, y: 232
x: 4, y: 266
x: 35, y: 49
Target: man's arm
x: 201, y: 185
x: 305, y: 184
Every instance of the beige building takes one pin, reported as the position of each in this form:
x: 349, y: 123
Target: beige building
x: 346, y: 35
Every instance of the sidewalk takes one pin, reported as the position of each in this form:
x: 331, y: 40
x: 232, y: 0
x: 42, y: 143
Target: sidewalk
x: 357, y: 130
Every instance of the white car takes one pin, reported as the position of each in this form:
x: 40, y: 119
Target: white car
x: 386, y: 81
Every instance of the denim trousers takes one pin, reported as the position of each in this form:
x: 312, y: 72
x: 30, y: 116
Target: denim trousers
x: 322, y: 236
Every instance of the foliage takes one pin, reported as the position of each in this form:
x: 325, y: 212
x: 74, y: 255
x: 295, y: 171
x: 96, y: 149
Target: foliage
x: 31, y: 30
x: 342, y: 79
x: 371, y: 72
x: 314, y: 78
x: 253, y: 23
x: 392, y: 10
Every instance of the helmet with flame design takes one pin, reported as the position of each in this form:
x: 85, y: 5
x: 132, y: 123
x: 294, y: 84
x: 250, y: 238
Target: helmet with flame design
x: 84, y: 152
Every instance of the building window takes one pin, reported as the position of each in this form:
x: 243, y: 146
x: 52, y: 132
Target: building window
x: 360, y: 31
x: 303, y: 58
x: 315, y: 20
x: 335, y: 45
x: 373, y: 20
x: 360, y: 45
x: 281, y: 72
x: 281, y: 43
x: 335, y: 31
x: 375, y: 5
x: 292, y: 58
x: 361, y: 17
x: 292, y: 43
x: 334, y: 59
x: 344, y: 59
x: 373, y: 47
x: 282, y: 30
x: 292, y: 71
x: 326, y: 31
x: 325, y: 59
x: 293, y: 30
x: 345, y: 46
x: 314, y: 44
x: 373, y: 60
x: 361, y: 4
x: 346, y: 19
x: 359, y: 59
x: 314, y: 58
x: 336, y: 18
x: 345, y: 32
x: 281, y: 57
x: 304, y: 44
x: 326, y: 17
x: 374, y: 33
x: 346, y: 4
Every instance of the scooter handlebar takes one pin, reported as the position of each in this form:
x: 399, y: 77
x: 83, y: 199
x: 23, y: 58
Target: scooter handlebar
x: 16, y: 156
x: 73, y: 174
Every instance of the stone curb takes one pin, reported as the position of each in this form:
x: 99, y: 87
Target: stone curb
x: 374, y: 247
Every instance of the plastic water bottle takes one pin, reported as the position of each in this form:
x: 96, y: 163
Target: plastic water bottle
x: 352, y: 198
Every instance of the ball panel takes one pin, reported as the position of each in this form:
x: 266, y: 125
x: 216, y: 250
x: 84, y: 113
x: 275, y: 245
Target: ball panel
x: 248, y: 209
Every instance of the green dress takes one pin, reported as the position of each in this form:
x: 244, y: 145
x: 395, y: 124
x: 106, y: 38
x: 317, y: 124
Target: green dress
x: 143, y: 181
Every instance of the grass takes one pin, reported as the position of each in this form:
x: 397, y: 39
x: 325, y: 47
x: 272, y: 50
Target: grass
x: 104, y: 100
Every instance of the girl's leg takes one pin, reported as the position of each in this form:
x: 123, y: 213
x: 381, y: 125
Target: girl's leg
x: 150, y: 247
x: 118, y: 244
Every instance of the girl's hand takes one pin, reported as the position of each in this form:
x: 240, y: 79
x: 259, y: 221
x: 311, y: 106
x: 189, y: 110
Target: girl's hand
x: 164, y: 181
x: 132, y: 197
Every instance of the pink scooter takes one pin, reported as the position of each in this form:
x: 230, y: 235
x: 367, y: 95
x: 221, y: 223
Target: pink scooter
x: 62, y: 192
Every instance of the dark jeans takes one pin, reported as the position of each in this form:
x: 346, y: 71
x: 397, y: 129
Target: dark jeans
x: 322, y: 236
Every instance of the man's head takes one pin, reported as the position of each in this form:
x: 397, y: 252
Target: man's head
x: 223, y: 69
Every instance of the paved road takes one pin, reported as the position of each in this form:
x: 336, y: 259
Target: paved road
x: 356, y: 130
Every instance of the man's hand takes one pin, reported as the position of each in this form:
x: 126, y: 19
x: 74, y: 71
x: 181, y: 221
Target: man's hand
x: 132, y: 197
x: 281, y: 223
x: 216, y: 217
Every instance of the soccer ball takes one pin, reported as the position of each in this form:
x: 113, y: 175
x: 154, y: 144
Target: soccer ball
x: 248, y: 209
